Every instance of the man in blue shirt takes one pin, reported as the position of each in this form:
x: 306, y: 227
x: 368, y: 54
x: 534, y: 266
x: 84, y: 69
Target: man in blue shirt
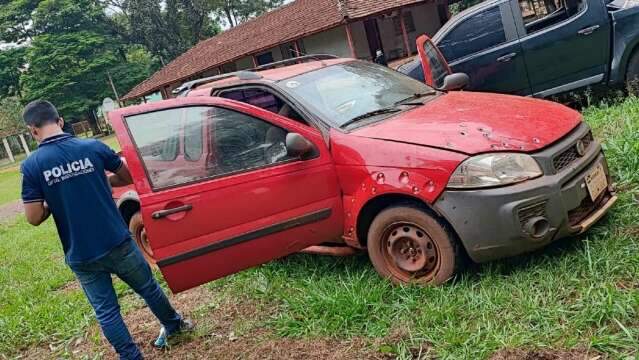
x: 66, y: 178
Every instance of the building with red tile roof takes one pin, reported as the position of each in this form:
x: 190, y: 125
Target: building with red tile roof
x: 346, y: 28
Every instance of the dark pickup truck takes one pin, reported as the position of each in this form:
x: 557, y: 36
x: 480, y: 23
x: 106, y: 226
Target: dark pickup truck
x: 541, y: 47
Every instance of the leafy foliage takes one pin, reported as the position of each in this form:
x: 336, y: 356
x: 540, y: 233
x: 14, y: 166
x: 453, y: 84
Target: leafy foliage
x: 235, y: 12
x: 10, y: 116
x: 11, y: 62
x: 70, y: 47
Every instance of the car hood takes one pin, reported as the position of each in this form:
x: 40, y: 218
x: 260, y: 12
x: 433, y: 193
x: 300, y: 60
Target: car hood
x: 473, y: 123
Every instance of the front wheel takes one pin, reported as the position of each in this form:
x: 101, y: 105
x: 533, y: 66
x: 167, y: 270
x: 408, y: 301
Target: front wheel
x: 408, y: 246
x: 136, y: 226
x: 632, y: 76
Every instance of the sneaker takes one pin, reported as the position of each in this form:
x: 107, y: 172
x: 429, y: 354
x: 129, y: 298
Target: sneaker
x: 162, y: 341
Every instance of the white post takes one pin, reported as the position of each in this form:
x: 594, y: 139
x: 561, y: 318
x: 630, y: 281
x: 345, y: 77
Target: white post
x: 8, y: 149
x: 24, y: 145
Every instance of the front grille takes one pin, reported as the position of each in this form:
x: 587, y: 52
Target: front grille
x: 567, y: 157
x: 587, y: 207
x: 531, y: 211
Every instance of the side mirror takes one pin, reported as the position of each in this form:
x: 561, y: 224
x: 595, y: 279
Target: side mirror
x: 298, y: 146
x: 456, y: 81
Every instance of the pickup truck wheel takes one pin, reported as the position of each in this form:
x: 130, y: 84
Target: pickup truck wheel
x: 408, y: 246
x: 136, y: 226
x: 632, y: 77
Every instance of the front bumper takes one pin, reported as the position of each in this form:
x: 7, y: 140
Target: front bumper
x: 496, y: 223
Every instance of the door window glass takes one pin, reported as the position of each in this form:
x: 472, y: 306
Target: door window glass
x: 230, y: 142
x: 541, y: 14
x: 480, y: 32
x: 193, y: 139
x: 437, y: 66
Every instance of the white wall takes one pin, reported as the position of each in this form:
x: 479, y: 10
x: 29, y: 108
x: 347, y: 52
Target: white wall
x: 426, y: 20
x: 333, y: 42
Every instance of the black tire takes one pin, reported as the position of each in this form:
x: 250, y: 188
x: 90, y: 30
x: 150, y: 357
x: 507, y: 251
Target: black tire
x: 136, y: 226
x: 407, y: 245
x: 632, y: 74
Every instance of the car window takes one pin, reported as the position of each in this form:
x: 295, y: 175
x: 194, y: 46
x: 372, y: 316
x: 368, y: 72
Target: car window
x: 236, y: 142
x: 193, y: 137
x: 540, y: 15
x: 479, y: 32
x: 264, y: 100
x: 437, y: 66
x: 343, y: 92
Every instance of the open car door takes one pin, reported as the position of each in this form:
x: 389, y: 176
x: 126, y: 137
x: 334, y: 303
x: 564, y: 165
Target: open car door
x: 220, y: 189
x: 433, y: 62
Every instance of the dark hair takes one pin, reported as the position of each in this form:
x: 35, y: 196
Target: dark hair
x: 39, y: 113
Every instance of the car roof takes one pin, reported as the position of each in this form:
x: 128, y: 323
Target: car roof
x: 269, y: 75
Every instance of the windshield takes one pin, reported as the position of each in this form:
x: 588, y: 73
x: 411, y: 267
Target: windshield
x: 341, y: 93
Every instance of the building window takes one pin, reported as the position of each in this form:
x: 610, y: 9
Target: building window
x: 265, y: 58
x: 408, y: 22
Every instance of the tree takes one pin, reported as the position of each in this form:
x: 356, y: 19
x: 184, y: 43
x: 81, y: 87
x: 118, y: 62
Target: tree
x: 10, y: 116
x: 236, y: 12
x: 167, y: 29
x: 11, y: 64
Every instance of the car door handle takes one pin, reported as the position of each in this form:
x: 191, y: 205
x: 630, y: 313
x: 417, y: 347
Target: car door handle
x: 164, y: 213
x: 507, y: 58
x: 589, y: 30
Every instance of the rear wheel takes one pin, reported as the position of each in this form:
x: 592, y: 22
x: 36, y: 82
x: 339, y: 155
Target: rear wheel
x: 136, y: 226
x: 409, y: 246
x: 632, y: 76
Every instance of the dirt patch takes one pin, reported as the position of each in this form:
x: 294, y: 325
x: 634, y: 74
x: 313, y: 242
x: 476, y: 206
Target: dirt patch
x: 224, y: 330
x: 519, y: 354
x: 9, y: 211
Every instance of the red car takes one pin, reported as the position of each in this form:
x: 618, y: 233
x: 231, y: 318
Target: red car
x: 338, y: 155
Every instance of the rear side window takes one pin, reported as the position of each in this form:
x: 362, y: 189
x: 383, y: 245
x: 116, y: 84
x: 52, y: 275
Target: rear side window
x: 480, y: 32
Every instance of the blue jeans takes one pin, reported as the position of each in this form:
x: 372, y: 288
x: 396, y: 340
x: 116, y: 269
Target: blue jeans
x: 128, y: 264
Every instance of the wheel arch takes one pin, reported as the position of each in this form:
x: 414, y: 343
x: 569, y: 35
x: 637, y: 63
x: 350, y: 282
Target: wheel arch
x: 128, y: 205
x: 376, y: 205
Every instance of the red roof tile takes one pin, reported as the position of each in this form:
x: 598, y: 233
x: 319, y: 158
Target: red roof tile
x: 289, y: 22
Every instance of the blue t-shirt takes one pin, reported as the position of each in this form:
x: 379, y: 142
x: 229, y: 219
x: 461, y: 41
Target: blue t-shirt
x: 69, y: 174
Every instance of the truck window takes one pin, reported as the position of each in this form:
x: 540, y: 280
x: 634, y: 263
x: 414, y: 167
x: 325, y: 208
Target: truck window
x: 479, y: 32
x: 542, y: 14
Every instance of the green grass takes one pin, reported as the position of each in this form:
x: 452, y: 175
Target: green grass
x: 10, y: 182
x: 578, y: 293
x: 32, y: 270
x: 112, y: 141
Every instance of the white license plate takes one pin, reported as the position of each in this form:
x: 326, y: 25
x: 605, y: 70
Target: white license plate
x: 596, y: 181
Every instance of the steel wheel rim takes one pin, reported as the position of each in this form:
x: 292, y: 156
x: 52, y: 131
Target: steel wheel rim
x: 143, y: 242
x: 409, y: 252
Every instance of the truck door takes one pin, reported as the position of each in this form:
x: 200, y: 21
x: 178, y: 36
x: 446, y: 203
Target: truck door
x: 565, y: 42
x: 244, y: 200
x: 484, y: 44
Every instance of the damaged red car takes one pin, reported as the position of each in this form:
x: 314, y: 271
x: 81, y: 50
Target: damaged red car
x: 335, y: 156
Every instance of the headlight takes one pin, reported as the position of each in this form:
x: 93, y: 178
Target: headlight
x: 490, y: 170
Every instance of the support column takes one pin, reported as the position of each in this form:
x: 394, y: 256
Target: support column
x: 255, y: 63
x: 7, y: 148
x: 24, y: 145
x: 296, y: 47
x: 404, y: 34
x: 349, y: 36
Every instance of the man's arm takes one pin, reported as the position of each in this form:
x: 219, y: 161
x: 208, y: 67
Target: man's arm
x: 36, y: 212
x: 122, y: 177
